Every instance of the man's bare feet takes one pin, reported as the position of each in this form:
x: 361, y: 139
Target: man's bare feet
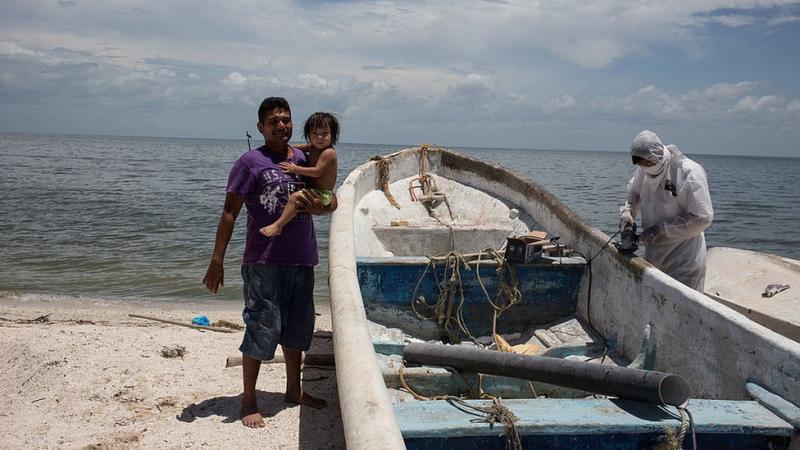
x: 251, y: 418
x: 271, y: 230
x: 306, y: 400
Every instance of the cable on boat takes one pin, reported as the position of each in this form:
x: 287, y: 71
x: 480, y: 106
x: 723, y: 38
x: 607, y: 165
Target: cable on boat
x: 589, y: 296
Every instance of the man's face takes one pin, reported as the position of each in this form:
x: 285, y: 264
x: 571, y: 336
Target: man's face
x: 276, y: 127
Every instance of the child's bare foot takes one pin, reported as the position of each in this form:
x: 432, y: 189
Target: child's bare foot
x: 251, y: 418
x: 305, y: 399
x: 271, y: 230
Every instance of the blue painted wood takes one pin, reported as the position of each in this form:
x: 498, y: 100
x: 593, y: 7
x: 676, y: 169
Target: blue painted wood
x: 611, y: 441
x: 591, y: 423
x: 783, y: 408
x: 549, y: 290
x: 385, y: 347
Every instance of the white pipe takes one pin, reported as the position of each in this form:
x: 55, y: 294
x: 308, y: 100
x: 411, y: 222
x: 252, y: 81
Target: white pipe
x: 367, y: 414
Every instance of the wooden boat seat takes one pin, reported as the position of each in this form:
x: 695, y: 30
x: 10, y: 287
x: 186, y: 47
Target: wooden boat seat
x: 435, y: 239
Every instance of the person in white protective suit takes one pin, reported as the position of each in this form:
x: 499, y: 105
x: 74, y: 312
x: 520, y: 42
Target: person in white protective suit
x: 670, y: 191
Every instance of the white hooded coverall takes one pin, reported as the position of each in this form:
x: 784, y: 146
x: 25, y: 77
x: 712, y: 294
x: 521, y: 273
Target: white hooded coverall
x: 675, y: 206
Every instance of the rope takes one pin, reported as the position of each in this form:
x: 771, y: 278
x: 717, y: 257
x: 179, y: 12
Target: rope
x: 496, y: 413
x: 687, y: 421
x: 510, y: 293
x: 448, y: 307
x: 451, y: 293
x: 673, y: 441
x: 383, y: 179
x: 427, y: 185
x: 417, y: 395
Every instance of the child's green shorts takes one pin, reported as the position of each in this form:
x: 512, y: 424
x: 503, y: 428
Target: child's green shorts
x: 325, y: 195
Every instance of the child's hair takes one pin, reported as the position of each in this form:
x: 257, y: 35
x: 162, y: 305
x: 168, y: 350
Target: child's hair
x: 321, y: 120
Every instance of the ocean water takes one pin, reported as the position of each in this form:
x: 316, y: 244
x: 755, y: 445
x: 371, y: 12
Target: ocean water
x: 134, y: 218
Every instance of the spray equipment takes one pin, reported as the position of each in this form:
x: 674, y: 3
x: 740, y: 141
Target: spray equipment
x: 627, y: 240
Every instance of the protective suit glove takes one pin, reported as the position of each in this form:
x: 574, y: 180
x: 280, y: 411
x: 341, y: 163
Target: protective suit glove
x: 625, y: 216
x: 652, y: 235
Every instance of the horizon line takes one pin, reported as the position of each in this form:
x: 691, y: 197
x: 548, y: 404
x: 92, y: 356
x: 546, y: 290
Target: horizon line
x: 383, y: 144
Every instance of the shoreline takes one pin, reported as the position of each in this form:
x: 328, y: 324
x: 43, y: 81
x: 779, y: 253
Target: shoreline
x: 87, y: 375
x: 68, y: 301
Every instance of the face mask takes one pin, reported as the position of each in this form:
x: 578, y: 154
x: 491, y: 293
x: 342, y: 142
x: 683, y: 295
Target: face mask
x: 655, y: 170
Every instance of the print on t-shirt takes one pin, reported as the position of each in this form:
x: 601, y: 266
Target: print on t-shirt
x: 273, y: 193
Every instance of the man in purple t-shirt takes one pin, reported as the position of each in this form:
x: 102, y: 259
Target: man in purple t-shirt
x: 278, y: 271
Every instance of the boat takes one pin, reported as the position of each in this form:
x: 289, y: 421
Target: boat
x: 431, y: 249
x: 762, y: 286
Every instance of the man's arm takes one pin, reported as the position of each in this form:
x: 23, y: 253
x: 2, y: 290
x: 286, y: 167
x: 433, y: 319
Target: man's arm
x: 325, y: 162
x: 215, y: 274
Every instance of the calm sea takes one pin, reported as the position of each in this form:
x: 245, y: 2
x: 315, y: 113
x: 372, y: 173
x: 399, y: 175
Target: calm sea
x: 134, y: 218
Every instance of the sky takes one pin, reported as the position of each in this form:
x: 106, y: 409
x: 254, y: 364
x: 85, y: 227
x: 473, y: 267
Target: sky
x: 711, y: 76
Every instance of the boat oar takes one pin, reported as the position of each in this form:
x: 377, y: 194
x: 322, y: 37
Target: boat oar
x: 636, y: 384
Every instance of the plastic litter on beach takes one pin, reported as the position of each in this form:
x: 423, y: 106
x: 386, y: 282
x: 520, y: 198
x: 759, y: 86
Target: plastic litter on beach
x: 201, y: 320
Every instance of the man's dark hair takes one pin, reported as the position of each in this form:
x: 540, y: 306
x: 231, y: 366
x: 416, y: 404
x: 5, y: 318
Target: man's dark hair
x: 636, y: 159
x: 270, y: 104
x: 320, y: 120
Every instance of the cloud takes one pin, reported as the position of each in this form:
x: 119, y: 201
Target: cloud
x: 563, y: 103
x: 390, y: 67
x: 732, y: 21
x: 592, y: 35
x: 467, y: 98
x: 11, y: 49
x: 780, y: 20
x: 235, y: 79
x: 759, y: 104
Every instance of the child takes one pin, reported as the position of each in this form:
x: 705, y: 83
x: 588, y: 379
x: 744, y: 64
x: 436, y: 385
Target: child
x: 321, y: 131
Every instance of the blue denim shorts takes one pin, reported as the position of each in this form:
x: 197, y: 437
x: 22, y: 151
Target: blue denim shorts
x: 278, y: 309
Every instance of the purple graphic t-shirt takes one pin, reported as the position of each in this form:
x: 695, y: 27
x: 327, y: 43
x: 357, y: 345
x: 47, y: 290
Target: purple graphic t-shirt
x: 266, y: 188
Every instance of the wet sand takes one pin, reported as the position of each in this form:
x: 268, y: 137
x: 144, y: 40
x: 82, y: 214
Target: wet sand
x: 87, y: 375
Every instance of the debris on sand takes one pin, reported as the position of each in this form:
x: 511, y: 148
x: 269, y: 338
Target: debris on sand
x: 176, y: 351
x: 225, y: 324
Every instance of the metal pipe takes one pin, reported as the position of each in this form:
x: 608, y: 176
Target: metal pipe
x: 636, y: 384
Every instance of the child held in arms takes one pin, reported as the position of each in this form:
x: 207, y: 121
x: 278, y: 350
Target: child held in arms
x: 321, y: 131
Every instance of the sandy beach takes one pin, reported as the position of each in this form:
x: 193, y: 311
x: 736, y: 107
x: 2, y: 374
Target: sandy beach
x: 84, y: 374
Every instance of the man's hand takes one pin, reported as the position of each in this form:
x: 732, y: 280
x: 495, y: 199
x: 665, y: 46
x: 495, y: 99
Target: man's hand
x: 310, y: 202
x: 214, y: 276
x: 625, y: 217
x: 288, y: 167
